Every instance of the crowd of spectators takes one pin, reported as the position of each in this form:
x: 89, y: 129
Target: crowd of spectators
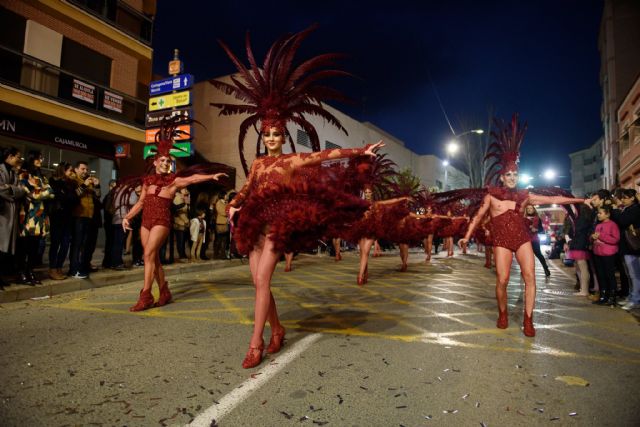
x: 66, y: 210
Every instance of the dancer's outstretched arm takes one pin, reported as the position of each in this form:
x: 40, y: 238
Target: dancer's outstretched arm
x: 316, y: 158
x: 537, y: 199
x: 484, y: 208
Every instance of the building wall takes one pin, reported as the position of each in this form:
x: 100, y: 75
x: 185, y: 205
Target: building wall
x: 219, y: 141
x: 629, y: 138
x: 587, y: 170
x: 619, y: 44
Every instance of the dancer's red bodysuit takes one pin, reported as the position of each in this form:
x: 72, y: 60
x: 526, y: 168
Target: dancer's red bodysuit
x: 509, y: 229
x: 156, y: 210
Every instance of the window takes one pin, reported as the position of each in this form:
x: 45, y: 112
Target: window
x: 330, y: 145
x: 85, y: 62
x: 12, y: 28
x: 302, y: 138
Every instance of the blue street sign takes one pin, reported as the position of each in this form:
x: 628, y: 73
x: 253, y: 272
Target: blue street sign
x: 183, y: 81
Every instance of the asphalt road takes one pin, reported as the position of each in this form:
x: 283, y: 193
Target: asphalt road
x: 416, y: 349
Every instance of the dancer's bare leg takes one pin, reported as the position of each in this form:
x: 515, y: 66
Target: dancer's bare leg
x: 525, y: 257
x: 404, y: 255
x: 503, y: 258
x: 428, y: 246
x: 376, y: 249
x: 151, y: 242
x: 449, y: 245
x: 336, y: 248
x: 288, y: 259
x: 365, y: 246
x: 262, y: 261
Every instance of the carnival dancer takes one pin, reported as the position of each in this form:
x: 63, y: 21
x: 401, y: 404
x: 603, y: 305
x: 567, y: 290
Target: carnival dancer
x: 505, y: 204
x: 288, y: 200
x: 158, y: 191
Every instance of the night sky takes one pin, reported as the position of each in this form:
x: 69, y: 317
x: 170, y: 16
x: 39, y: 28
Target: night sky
x: 539, y: 58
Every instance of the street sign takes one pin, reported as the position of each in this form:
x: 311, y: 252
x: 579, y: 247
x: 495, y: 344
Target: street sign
x: 183, y: 149
x: 175, y: 67
x: 186, y: 133
x: 169, y: 101
x: 154, y: 119
x: 181, y: 82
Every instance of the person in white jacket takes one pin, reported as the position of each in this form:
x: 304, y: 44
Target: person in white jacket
x: 197, y: 230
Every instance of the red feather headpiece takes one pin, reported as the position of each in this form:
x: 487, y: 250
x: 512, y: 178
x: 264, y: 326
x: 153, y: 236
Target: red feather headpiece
x: 277, y: 92
x: 164, y: 139
x: 504, y: 151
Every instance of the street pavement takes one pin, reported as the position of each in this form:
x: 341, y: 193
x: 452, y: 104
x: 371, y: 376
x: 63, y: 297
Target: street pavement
x: 418, y: 348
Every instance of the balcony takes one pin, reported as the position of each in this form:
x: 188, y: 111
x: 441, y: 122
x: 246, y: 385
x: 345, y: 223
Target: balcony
x: 28, y: 73
x: 121, y: 16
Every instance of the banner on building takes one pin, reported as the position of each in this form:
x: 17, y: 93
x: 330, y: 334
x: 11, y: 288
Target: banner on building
x: 84, y: 91
x: 112, y: 102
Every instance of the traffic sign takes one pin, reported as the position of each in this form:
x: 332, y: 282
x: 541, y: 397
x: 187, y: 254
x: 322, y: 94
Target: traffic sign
x: 186, y: 133
x: 181, y: 82
x: 154, y: 119
x: 182, y: 149
x: 170, y: 100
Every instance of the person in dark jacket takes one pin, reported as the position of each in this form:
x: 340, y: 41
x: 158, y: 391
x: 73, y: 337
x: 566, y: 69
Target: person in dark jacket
x: 579, y: 248
x: 628, y: 215
x: 65, y: 198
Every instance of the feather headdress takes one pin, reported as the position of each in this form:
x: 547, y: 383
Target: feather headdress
x: 277, y: 92
x: 169, y: 131
x: 504, y: 151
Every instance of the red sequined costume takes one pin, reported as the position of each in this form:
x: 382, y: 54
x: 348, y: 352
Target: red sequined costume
x: 374, y: 223
x: 156, y: 210
x: 296, y: 207
x: 509, y: 229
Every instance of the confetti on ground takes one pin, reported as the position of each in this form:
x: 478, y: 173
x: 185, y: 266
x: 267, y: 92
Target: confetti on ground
x: 569, y: 380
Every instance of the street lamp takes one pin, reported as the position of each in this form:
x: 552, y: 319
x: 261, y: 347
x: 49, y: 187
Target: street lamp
x: 549, y: 174
x: 525, y: 178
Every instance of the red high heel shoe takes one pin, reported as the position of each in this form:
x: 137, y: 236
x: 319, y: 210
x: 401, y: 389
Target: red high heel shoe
x: 360, y: 280
x: 403, y: 268
x: 276, y: 341
x: 338, y: 257
x: 165, y: 296
x: 527, y: 324
x: 145, y: 301
x: 287, y: 269
x: 503, y: 319
x: 253, y: 357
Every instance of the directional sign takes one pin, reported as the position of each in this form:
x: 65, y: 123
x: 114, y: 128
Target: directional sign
x: 154, y: 119
x: 181, y: 82
x: 186, y: 133
x: 169, y: 101
x: 183, y: 149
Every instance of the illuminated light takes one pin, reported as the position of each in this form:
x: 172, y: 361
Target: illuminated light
x: 445, y: 163
x: 542, y: 237
x: 452, y: 147
x: 55, y: 164
x: 549, y: 174
x: 525, y: 178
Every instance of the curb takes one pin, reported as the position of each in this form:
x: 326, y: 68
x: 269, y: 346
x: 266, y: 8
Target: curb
x: 103, y: 278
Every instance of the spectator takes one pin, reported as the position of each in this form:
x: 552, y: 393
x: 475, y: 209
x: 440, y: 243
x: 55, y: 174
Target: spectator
x: 198, y: 230
x: 108, y: 206
x: 34, y: 221
x: 221, y: 239
x: 204, y: 204
x: 181, y: 222
x: 87, y: 187
x: 605, y: 246
x: 623, y: 292
x: 136, y: 244
x: 628, y: 215
x: 63, y: 185
x: 12, y: 192
x: 123, y: 201
x: 579, y: 248
x: 535, y: 227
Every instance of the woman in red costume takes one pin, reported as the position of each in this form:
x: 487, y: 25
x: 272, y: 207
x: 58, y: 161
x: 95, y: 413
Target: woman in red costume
x: 158, y: 191
x: 288, y: 200
x: 505, y: 204
x: 534, y: 224
x: 483, y: 237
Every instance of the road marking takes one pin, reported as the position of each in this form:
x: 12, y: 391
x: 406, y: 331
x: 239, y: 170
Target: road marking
x: 243, y: 391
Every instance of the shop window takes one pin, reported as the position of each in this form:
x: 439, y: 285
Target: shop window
x: 330, y: 145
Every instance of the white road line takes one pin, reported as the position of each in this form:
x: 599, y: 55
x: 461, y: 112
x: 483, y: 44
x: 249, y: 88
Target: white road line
x: 243, y: 391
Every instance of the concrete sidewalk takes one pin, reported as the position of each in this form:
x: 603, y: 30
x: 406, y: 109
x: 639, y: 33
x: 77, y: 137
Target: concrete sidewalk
x: 104, y: 277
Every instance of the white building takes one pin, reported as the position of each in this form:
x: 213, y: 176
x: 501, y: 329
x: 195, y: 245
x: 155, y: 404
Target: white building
x: 587, y: 172
x: 219, y: 141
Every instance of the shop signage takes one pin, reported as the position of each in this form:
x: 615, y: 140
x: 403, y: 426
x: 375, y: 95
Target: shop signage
x: 175, y: 67
x: 112, y: 102
x: 50, y: 135
x: 169, y: 101
x: 182, y: 149
x: 181, y: 82
x: 185, y: 133
x: 83, y: 91
x: 122, y: 150
x: 154, y: 119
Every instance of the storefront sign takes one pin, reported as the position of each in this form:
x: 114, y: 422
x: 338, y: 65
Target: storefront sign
x: 185, y: 132
x: 182, y: 149
x: 154, y: 119
x: 181, y: 82
x: 50, y: 135
x: 112, y: 102
x: 83, y: 91
x: 169, y: 101
x: 122, y: 150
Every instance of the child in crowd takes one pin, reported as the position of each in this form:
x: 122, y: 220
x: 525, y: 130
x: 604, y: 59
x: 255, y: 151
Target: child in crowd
x: 197, y: 229
x: 605, y: 246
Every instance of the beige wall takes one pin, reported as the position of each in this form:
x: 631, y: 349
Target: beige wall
x: 629, y: 138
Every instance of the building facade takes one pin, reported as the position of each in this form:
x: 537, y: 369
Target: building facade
x: 629, y: 138
x: 619, y: 45
x: 218, y: 142
x: 587, y: 171
x: 74, y: 79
